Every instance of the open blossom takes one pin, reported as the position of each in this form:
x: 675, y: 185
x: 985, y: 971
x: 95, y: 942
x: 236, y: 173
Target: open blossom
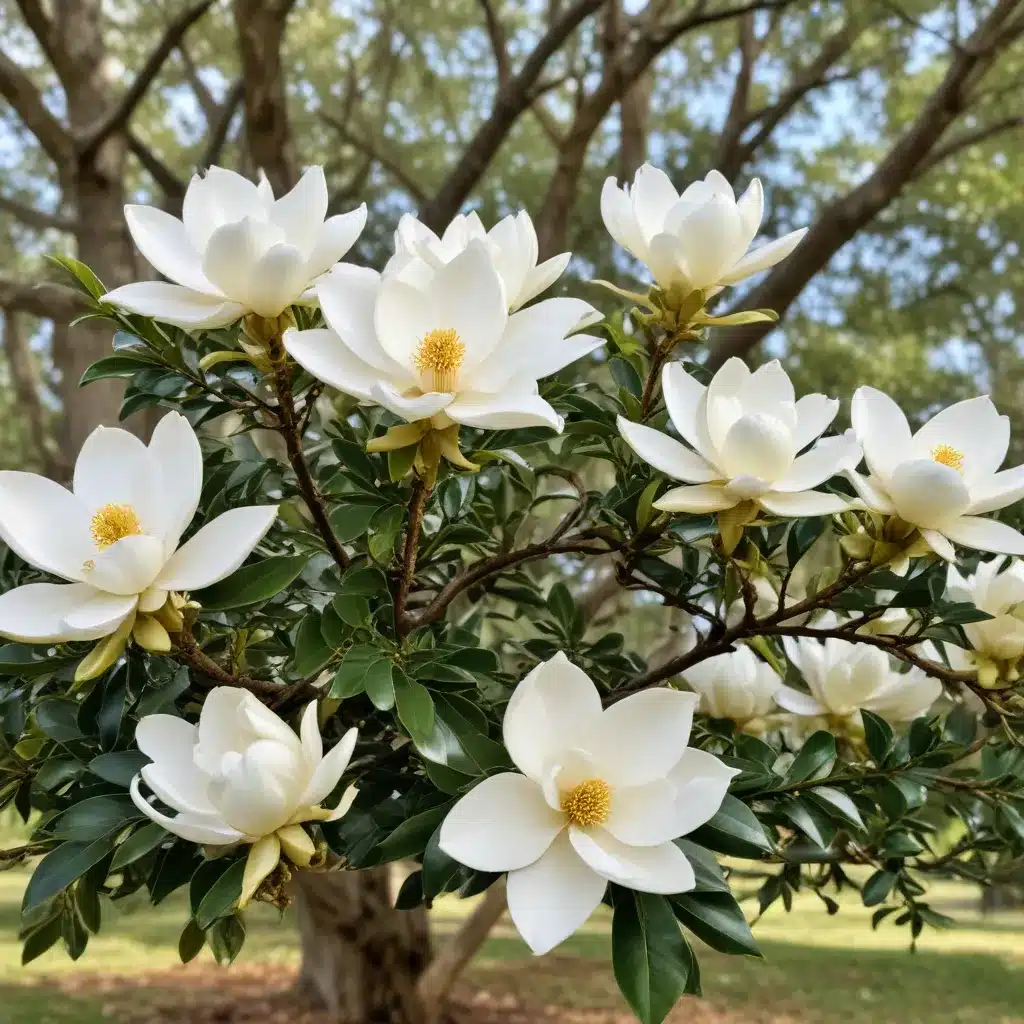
x: 942, y: 478
x: 699, y: 239
x: 236, y: 249
x: 242, y: 775
x: 845, y: 678
x: 445, y: 349
x: 512, y: 243
x: 738, y: 686
x: 744, y: 432
x: 115, y: 535
x: 601, y: 796
x: 996, y: 588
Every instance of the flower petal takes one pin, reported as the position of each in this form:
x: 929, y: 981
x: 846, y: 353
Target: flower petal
x: 750, y: 207
x: 814, y: 413
x: 928, y: 493
x: 541, y: 277
x: 641, y: 739
x: 939, y: 544
x: 219, y: 197
x: 665, y: 453
x: 699, y: 499
x: 164, y: 243
x: 793, y: 504
x: 985, y: 535
x: 300, y: 213
x: 174, y: 448
x: 659, y: 869
x: 869, y: 490
x: 128, y: 566
x: 620, y: 220
x: 173, y: 304
x: 713, y: 236
x: 653, y: 195
x: 204, y: 830
x: 511, y: 409
x: 218, y: 549
x: 882, y: 430
x: 797, y: 702
x: 100, y: 614
x: 701, y: 781
x: 686, y: 400
x: 278, y: 279
x: 323, y: 354
x: 412, y: 407
x: 35, y: 613
x: 826, y: 459
x: 997, y: 491
x: 723, y: 406
x: 552, y: 897
x: 169, y: 741
x: 328, y: 772
x: 336, y: 236
x: 233, y: 252
x: 763, y: 257
x: 552, y: 705
x: 642, y: 815
x: 309, y: 734
x: 501, y: 824
x: 44, y: 524
x: 975, y: 429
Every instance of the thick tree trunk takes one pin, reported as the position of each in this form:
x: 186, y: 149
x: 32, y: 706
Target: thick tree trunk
x: 361, y: 958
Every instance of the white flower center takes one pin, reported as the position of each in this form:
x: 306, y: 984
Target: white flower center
x: 588, y: 803
x: 758, y: 446
x: 112, y: 523
x: 947, y: 455
x: 438, y: 359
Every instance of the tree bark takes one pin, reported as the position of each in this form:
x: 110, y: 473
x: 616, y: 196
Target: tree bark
x: 361, y: 958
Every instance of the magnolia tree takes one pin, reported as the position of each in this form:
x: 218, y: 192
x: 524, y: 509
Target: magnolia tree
x: 311, y: 626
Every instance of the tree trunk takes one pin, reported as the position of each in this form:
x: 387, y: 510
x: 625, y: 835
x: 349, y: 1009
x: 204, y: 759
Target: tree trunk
x: 361, y: 958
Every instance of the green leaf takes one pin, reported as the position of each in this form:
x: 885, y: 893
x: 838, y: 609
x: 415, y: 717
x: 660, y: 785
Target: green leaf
x: 86, y: 280
x: 311, y: 650
x: 709, y: 874
x: 410, y: 838
x: 400, y: 461
x: 415, y: 706
x: 838, y: 804
x: 439, y: 870
x: 221, y: 897
x: 717, y: 919
x: 384, y: 532
x: 226, y: 938
x: 877, y: 735
x: 649, y: 954
x: 815, y: 759
x: 252, y: 583
x: 352, y: 609
x: 809, y: 820
x: 877, y: 888
x: 379, y: 684
x: 191, y: 942
x: 734, y: 831
x: 38, y: 941
x: 350, y: 679
x: 122, y: 365
x: 351, y: 521
x: 624, y: 374
x: 111, y: 709
x: 118, y: 766
x: 138, y: 844
x: 94, y: 818
x: 410, y: 895
x: 58, y: 719
x: 60, y: 867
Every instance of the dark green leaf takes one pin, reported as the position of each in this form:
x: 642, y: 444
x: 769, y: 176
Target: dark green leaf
x: 350, y: 678
x: 58, y: 719
x: 138, y: 844
x: 410, y: 838
x: 734, y: 831
x: 379, y: 684
x: 125, y: 364
x: 252, y: 583
x: 415, y: 706
x: 222, y: 895
x: 877, y: 735
x: 815, y: 758
x: 38, y: 941
x: 118, y: 766
x: 311, y: 650
x: 410, y: 895
x: 837, y: 804
x: 226, y: 938
x: 350, y: 521
x: 191, y: 942
x: 94, y: 818
x: 352, y: 609
x: 60, y: 867
x: 439, y: 870
x: 717, y: 919
x: 809, y: 820
x: 877, y: 888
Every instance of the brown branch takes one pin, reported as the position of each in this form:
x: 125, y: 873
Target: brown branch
x: 120, y: 114
x: 219, y: 126
x: 42, y: 28
x: 417, y: 504
x: 41, y: 298
x: 33, y: 218
x: 736, y: 118
x: 166, y: 180
x: 17, y: 88
x: 206, y: 100
x: 496, y: 34
x: 966, y: 139
x: 27, y: 388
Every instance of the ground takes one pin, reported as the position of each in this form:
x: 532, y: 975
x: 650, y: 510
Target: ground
x: 817, y: 970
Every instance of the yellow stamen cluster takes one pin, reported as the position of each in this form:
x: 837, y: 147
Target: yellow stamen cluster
x: 949, y: 456
x: 588, y: 803
x: 439, y: 358
x: 114, y: 522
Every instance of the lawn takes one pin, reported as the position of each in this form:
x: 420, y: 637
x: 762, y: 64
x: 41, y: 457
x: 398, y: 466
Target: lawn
x: 817, y: 970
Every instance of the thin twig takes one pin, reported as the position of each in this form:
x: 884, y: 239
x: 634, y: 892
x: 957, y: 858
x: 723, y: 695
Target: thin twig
x: 417, y: 504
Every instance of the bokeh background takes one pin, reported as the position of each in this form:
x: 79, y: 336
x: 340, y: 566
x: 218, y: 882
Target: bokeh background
x: 892, y: 128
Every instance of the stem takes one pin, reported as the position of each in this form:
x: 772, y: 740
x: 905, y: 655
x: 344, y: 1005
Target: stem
x: 417, y: 504
x: 289, y: 428
x: 657, y: 361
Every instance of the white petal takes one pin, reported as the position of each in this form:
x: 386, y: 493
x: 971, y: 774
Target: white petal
x: 642, y: 815
x: 44, y: 524
x: 336, y: 236
x: 653, y: 195
x: 323, y: 354
x: 698, y: 499
x: 814, y: 413
x: 409, y: 407
x: 659, y: 869
x: 665, y: 453
x: 162, y: 240
x: 797, y: 702
x: 974, y: 429
x: 501, y: 824
x: 101, y: 614
x: 259, y: 792
x: 329, y: 771
x: 127, y: 566
x: 666, y: 256
x: 309, y: 734
x: 928, y: 494
x: 541, y: 277
x: 205, y: 830
x: 218, y: 549
x: 513, y: 251
x: 115, y: 468
x: 175, y: 305
x: 802, y: 503
x: 712, y: 235
x: 723, y: 406
x: 511, y: 409
x: 233, y: 252
x: 686, y: 400
x: 701, y: 781
x: 750, y: 207
x: 169, y: 741
x: 824, y: 460
x: 997, y: 491
x: 174, y: 448
x: 882, y: 429
x: 768, y: 390
x: 278, y: 279
x: 763, y: 257
x: 551, y: 898
x: 219, y: 197
x: 985, y: 535
x: 35, y: 613
x: 620, y: 220
x: 641, y: 739
x: 939, y: 544
x: 870, y: 491
x: 300, y: 214
x: 549, y: 708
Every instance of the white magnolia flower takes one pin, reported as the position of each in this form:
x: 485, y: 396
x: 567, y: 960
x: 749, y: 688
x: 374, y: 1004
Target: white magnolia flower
x: 998, y: 589
x: 738, y: 686
x: 236, y: 249
x: 699, y: 239
x: 744, y: 431
x: 512, y: 243
x: 846, y: 678
x: 115, y: 535
x: 601, y: 797
x: 448, y: 350
x: 242, y: 775
x: 943, y: 477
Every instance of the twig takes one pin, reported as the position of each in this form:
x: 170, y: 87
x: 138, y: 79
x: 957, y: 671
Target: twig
x: 417, y: 504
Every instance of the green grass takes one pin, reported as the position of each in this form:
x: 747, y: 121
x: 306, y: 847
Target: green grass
x: 817, y: 969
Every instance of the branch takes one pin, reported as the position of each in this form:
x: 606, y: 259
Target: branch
x: 17, y: 88
x: 417, y: 504
x: 42, y: 28
x: 496, y: 34
x: 167, y: 181
x: 41, y: 298
x: 221, y: 125
x: 27, y: 386
x: 118, y: 117
x: 966, y: 139
x: 206, y: 100
x: 33, y: 218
